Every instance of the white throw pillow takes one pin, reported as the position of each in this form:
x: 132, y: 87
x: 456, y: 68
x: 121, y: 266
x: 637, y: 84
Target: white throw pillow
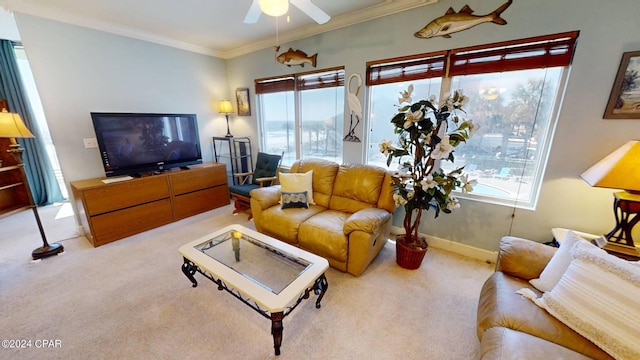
x: 557, y: 265
x: 597, y: 297
x: 298, y: 182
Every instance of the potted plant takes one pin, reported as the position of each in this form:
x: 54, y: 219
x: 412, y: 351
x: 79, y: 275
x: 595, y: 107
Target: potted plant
x: 420, y: 184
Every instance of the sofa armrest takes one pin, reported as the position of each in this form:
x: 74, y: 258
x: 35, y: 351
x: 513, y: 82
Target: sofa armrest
x: 523, y: 258
x: 367, y: 220
x: 266, y: 197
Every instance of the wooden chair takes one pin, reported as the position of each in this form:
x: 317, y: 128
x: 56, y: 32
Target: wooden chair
x: 264, y: 174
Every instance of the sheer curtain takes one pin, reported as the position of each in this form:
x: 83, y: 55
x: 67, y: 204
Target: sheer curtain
x: 42, y: 180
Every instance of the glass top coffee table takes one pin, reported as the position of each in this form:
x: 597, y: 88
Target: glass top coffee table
x: 268, y: 275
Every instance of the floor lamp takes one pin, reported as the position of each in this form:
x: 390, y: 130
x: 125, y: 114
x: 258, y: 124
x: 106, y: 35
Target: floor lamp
x: 12, y: 127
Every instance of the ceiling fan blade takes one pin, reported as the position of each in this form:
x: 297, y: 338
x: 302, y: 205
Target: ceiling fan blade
x: 311, y: 10
x: 253, y: 14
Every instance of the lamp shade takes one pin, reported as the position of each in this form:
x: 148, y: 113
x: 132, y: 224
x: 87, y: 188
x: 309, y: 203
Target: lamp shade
x: 11, y: 126
x: 225, y: 107
x: 274, y: 7
x: 618, y: 170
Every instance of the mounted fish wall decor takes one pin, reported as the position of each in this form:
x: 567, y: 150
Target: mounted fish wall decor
x: 355, y: 108
x: 452, y: 21
x: 297, y: 57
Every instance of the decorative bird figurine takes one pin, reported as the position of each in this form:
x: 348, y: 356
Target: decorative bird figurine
x: 355, y: 108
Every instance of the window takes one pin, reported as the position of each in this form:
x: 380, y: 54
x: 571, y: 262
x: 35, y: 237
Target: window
x: 302, y: 115
x: 514, y: 89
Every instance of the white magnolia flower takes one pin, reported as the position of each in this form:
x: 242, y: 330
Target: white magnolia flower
x: 472, y: 127
x: 386, y: 147
x: 405, y: 95
x: 399, y: 200
x: 467, y: 185
x: 453, y: 203
x: 412, y: 117
x: 442, y: 149
x: 428, y: 183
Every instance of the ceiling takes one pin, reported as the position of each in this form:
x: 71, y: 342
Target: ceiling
x: 212, y: 27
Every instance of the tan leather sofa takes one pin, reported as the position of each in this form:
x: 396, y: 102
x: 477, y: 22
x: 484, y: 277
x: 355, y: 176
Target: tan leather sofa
x: 512, y: 327
x: 348, y: 225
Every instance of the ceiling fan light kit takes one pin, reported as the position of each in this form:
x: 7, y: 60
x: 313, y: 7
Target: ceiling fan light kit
x: 274, y: 7
x: 280, y: 7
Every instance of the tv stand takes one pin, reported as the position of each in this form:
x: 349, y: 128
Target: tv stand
x: 113, y: 211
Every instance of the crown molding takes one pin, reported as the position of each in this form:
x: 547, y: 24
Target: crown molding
x: 109, y: 27
x: 388, y: 7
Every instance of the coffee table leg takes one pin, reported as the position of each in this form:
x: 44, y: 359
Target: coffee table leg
x: 276, y: 330
x: 189, y: 269
x: 321, y: 287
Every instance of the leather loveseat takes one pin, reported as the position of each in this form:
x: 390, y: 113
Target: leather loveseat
x: 513, y: 327
x: 348, y: 225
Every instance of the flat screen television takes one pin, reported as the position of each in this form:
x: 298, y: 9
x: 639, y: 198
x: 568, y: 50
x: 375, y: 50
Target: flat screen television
x: 135, y: 144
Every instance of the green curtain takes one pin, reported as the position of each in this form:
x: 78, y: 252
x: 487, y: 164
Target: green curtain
x: 42, y: 180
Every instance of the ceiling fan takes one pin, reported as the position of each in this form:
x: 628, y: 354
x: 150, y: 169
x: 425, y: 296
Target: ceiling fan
x: 280, y: 7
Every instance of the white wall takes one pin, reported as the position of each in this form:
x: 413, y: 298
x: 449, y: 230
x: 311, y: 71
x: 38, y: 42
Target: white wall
x: 79, y: 70
x: 582, y: 137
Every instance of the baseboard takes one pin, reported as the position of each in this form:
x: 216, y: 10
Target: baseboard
x: 456, y: 247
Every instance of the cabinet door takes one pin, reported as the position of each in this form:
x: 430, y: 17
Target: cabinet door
x: 119, y: 224
x: 197, y: 179
x: 122, y: 195
x: 200, y: 201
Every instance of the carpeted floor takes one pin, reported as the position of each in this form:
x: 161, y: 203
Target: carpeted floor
x: 130, y: 300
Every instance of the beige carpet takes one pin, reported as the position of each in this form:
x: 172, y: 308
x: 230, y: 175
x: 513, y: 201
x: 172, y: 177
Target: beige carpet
x: 129, y: 300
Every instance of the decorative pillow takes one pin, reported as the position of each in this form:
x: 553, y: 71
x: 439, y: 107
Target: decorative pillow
x: 298, y: 182
x: 597, y: 296
x: 295, y: 200
x: 557, y: 265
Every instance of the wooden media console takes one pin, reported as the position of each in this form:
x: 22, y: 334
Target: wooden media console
x: 115, y: 210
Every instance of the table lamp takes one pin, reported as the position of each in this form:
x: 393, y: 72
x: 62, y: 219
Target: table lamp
x: 620, y: 170
x: 12, y: 127
x: 226, y: 109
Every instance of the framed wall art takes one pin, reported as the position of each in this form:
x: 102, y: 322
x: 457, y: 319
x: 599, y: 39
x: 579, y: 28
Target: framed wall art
x: 242, y: 100
x: 624, y: 101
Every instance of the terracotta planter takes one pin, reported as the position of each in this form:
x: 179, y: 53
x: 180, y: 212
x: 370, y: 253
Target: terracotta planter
x: 406, y: 257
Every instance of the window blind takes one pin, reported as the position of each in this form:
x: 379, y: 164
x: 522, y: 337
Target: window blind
x: 332, y: 78
x: 272, y: 85
x: 406, y: 68
x: 531, y: 53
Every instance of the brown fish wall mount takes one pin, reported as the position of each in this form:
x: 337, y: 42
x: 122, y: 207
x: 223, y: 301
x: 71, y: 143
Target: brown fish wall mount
x: 452, y: 21
x: 295, y: 57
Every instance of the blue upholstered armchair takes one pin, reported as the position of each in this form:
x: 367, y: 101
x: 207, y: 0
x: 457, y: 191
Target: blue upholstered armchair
x: 265, y: 174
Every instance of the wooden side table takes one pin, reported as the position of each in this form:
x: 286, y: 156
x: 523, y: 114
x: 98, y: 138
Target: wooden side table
x: 624, y: 252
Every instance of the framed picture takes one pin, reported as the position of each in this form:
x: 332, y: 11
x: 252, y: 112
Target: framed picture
x: 4, y: 105
x: 624, y: 101
x: 242, y: 101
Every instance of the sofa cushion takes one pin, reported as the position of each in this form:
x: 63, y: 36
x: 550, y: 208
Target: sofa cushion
x: 295, y: 200
x: 597, y: 296
x: 324, y: 175
x: 356, y: 187
x: 283, y: 224
x: 298, y: 182
x: 501, y: 343
x: 501, y: 306
x: 557, y: 265
x: 323, y: 235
